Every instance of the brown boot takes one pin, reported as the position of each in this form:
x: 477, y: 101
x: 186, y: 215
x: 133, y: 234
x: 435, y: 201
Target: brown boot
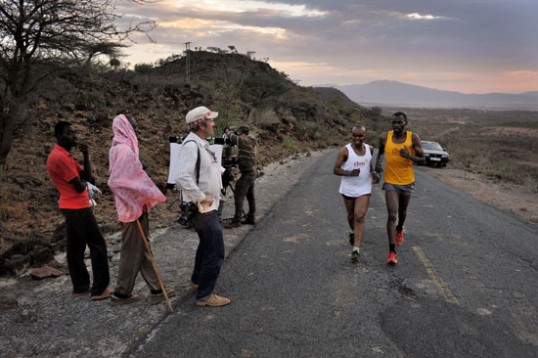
x: 213, y: 301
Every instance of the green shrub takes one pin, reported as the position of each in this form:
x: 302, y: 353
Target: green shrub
x: 290, y: 144
x: 266, y: 118
x: 530, y: 183
x: 87, y: 101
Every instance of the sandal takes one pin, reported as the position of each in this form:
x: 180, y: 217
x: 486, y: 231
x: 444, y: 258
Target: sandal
x: 103, y: 296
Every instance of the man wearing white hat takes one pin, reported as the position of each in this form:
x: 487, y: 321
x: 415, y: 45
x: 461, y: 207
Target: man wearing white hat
x: 200, y: 181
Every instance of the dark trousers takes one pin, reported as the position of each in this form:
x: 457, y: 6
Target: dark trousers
x: 245, y: 188
x: 135, y: 258
x: 210, y: 253
x: 82, y: 230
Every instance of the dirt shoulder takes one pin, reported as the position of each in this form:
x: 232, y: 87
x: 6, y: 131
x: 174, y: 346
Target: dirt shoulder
x: 506, y: 197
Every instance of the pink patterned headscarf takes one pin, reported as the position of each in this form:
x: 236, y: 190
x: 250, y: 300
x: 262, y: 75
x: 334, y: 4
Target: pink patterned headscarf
x: 132, y: 187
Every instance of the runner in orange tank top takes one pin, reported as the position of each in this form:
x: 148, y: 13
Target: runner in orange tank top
x: 401, y: 148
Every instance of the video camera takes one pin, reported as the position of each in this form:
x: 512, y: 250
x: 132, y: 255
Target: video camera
x: 188, y: 210
x: 239, y: 130
x: 228, y: 177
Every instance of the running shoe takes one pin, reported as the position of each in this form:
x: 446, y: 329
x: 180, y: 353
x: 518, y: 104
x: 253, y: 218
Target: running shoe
x: 392, y: 260
x: 355, y: 256
x: 399, y: 239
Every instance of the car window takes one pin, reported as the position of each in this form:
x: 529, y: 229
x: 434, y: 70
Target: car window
x: 431, y: 146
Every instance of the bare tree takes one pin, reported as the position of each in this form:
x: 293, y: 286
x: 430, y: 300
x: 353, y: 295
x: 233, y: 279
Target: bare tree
x: 37, y: 33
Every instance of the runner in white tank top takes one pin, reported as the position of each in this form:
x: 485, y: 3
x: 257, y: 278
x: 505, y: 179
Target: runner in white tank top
x: 352, y: 186
x: 354, y: 164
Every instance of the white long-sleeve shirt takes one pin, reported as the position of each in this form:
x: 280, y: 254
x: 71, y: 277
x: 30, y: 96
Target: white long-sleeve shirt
x: 210, y: 181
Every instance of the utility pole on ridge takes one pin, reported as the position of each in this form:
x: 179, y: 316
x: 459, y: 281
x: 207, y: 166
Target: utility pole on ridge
x: 188, y: 61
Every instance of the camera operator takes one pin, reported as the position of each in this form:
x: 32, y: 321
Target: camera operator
x: 199, y: 177
x: 227, y: 154
x: 246, y: 161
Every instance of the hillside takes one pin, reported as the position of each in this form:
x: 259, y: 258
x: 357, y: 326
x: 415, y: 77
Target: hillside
x: 285, y: 117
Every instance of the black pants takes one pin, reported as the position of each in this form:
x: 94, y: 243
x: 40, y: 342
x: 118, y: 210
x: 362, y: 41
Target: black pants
x: 210, y: 253
x: 82, y: 230
x: 245, y: 188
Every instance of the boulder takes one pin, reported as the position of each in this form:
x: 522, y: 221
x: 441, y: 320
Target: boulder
x: 45, y: 272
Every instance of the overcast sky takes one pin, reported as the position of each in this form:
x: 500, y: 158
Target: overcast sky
x: 469, y: 46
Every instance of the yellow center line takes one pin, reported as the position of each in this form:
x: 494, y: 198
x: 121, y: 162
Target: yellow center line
x: 443, y: 288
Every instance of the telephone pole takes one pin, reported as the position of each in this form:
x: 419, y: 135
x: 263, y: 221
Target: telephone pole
x: 188, y: 61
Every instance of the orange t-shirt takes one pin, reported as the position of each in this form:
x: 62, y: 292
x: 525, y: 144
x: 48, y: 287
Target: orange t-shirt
x: 63, y: 168
x: 398, y: 170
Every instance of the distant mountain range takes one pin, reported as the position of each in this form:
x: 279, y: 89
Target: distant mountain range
x: 398, y: 94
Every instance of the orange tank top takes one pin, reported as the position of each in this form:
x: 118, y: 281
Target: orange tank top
x: 398, y: 170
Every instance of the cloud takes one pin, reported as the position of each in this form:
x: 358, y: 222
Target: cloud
x: 358, y: 38
x: 417, y: 16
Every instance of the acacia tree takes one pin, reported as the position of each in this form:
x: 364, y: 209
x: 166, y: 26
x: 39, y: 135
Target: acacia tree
x: 36, y: 34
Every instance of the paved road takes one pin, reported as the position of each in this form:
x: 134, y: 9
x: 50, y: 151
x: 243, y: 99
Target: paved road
x: 465, y: 285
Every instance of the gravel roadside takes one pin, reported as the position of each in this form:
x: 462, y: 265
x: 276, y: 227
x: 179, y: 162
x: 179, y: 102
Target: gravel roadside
x: 39, y: 318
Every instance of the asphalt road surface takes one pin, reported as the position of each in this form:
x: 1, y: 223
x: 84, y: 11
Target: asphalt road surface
x: 465, y: 284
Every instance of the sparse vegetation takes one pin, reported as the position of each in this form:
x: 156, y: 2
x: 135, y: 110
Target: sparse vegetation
x: 143, y: 68
x: 290, y: 144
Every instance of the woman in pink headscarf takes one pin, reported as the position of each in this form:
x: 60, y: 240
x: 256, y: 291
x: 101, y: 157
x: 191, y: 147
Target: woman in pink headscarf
x: 134, y: 193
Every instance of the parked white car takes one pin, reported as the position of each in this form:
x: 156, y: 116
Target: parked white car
x: 434, y: 154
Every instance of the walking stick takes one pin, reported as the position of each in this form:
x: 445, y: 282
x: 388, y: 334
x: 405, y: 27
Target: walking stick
x: 150, y: 254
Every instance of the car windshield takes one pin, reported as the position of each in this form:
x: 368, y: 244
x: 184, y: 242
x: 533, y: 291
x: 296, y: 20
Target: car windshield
x: 432, y: 146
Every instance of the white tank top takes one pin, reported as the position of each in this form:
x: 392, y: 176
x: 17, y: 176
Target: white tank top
x: 362, y: 184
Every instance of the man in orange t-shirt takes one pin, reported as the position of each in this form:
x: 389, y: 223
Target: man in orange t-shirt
x: 401, y: 148
x: 70, y: 179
